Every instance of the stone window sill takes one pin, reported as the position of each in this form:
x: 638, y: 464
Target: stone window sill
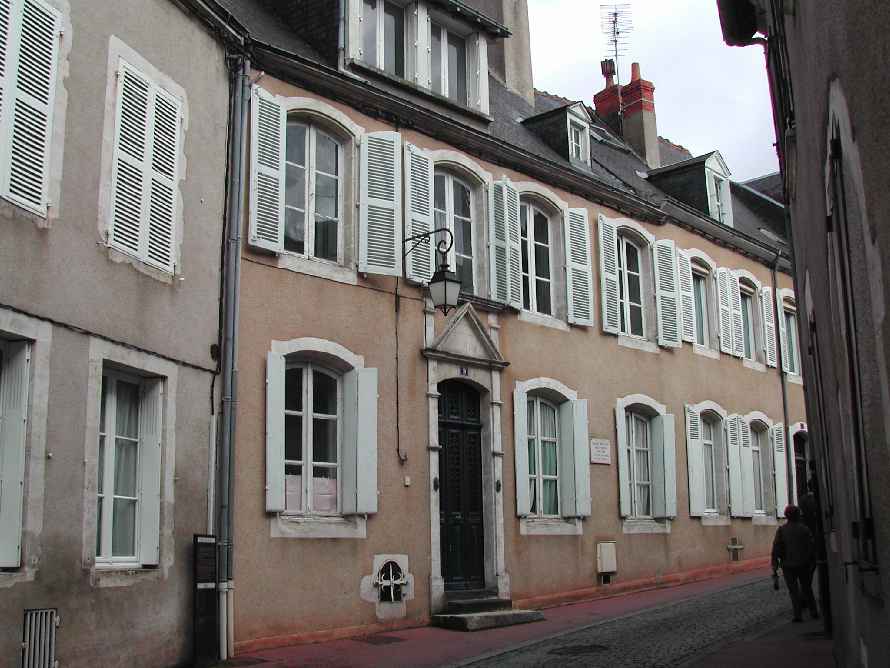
x: 12, y: 578
x: 637, y: 344
x: 705, y: 351
x: 764, y: 520
x: 543, y: 320
x: 754, y: 365
x: 715, y: 520
x: 121, y: 575
x: 550, y: 526
x: 319, y: 268
x: 794, y: 378
x: 633, y: 525
x: 299, y: 526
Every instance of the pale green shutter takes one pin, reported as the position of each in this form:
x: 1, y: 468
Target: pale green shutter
x: 582, y: 459
x: 664, y: 466
x: 687, y: 298
x: 366, y: 443
x: 150, y: 450
x: 695, y: 463
x: 275, y: 368
x: 267, y: 146
x: 624, y: 502
x: 768, y: 320
x: 419, y: 218
x: 724, y: 309
x: 520, y: 452
x: 736, y: 477
x: 481, y: 75
x: 738, y: 324
x: 14, y: 383
x: 747, y: 462
x: 380, y: 204
x: 574, y: 459
x: 777, y: 440
x: 667, y: 297
x: 506, y: 259
x: 579, y: 270
x: 783, y: 334
x: 608, y: 247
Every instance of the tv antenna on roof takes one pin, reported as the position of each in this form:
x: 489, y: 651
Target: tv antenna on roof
x: 616, y: 22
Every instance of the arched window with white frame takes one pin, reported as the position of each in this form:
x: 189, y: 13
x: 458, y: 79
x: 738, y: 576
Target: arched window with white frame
x: 630, y: 288
x: 543, y: 456
x: 453, y: 208
x: 537, y: 249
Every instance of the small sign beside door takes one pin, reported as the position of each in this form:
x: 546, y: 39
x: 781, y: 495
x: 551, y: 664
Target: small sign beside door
x: 600, y: 451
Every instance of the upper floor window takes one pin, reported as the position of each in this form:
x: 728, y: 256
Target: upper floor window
x: 312, y: 216
x: 576, y: 141
x: 543, y: 457
x: 453, y: 210
x: 630, y: 288
x: 790, y: 347
x: 383, y: 36
x: 748, y: 322
x: 448, y: 64
x: 720, y: 209
x: 700, y: 295
x: 536, y: 249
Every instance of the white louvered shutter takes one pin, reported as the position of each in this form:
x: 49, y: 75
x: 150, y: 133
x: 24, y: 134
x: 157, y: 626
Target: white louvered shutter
x: 481, y: 79
x: 29, y: 43
x: 747, y: 462
x: 267, y: 146
x: 783, y: 334
x: 520, y: 452
x: 736, y: 479
x: 14, y: 381
x: 695, y: 464
x: 506, y: 259
x: 738, y: 324
x: 579, y: 281
x: 687, y: 297
x: 275, y: 370
x: 608, y: 247
x: 768, y: 320
x: 624, y: 502
x: 666, y: 293
x: 380, y: 234
x: 419, y: 219
x: 145, y: 169
x: 354, y: 29
x: 150, y: 447
x: 777, y: 440
x: 574, y: 459
x: 724, y: 309
x: 359, y: 460
x: 664, y: 467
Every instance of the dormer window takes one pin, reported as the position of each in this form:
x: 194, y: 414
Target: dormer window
x: 448, y: 64
x: 383, y: 36
x: 576, y: 141
x: 719, y: 209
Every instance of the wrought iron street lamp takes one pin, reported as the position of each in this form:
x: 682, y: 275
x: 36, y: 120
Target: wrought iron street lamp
x: 444, y: 284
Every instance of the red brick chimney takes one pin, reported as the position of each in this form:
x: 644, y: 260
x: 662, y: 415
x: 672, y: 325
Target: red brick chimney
x: 637, y: 101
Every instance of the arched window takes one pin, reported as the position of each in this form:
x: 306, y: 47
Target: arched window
x: 710, y: 438
x: 639, y: 458
x: 749, y: 292
x: 312, y: 429
x: 453, y: 208
x: 702, y: 288
x: 760, y: 457
x: 313, y: 192
x: 537, y: 258
x: 788, y: 331
x: 630, y: 288
x: 543, y: 456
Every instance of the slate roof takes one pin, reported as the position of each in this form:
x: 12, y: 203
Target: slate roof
x: 770, y: 185
x: 672, y: 153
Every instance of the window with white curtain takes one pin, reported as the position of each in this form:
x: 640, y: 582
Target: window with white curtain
x: 758, y: 450
x: 640, y: 459
x: 453, y: 210
x: 709, y: 453
x: 543, y: 457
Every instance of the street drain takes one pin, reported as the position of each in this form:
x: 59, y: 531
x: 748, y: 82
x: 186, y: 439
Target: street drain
x: 381, y: 640
x: 578, y: 650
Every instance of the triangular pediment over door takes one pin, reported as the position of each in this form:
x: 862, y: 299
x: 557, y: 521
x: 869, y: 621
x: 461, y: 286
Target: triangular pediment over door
x: 465, y: 341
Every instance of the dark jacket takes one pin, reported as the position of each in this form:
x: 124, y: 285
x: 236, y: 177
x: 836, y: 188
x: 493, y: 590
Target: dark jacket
x: 793, y: 546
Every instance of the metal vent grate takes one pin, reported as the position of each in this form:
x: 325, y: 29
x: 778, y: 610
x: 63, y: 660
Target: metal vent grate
x: 39, y: 638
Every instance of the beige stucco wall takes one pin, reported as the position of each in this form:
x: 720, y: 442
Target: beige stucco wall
x: 296, y: 586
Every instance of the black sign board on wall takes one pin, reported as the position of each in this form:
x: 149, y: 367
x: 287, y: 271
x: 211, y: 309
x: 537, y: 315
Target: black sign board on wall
x: 206, y: 613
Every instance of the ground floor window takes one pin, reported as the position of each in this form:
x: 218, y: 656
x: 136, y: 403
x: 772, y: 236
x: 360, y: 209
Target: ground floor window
x: 543, y: 457
x: 639, y: 458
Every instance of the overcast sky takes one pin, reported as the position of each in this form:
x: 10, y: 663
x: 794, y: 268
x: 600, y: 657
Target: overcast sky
x: 707, y: 95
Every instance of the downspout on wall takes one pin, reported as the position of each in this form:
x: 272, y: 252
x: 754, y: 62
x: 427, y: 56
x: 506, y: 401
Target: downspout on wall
x: 239, y: 66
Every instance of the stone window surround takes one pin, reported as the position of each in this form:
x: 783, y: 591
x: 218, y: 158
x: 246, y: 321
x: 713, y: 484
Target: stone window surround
x: 39, y: 332
x: 711, y: 518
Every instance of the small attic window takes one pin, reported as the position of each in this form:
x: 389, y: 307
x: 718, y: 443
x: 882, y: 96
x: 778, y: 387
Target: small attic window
x: 576, y: 141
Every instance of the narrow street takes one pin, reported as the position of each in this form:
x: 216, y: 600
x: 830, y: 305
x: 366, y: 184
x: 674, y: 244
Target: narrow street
x: 728, y: 621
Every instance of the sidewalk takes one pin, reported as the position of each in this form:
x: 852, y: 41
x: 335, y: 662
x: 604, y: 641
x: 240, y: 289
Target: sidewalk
x: 430, y: 646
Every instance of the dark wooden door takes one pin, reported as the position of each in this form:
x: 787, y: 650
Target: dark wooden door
x: 460, y: 479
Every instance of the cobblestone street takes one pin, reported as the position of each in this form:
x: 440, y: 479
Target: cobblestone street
x: 673, y: 634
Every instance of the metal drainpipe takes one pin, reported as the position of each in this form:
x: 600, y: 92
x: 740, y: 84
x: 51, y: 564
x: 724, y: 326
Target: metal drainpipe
x: 780, y: 364
x: 232, y: 279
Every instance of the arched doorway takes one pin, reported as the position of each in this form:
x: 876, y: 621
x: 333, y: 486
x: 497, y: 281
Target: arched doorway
x: 460, y: 473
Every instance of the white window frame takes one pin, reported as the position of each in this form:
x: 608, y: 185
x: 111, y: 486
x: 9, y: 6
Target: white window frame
x: 759, y: 441
x: 576, y: 141
x: 450, y: 216
x: 530, y: 210
x: 789, y: 313
x: 379, y: 11
x: 310, y: 172
x: 749, y: 296
x: 534, y: 432
x: 634, y: 418
x: 445, y: 33
x: 624, y: 303
x: 105, y: 520
x: 702, y: 277
x: 308, y: 417
x: 708, y: 422
x: 577, y: 120
x: 720, y: 184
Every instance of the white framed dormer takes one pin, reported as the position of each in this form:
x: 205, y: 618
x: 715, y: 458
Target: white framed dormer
x: 717, y: 177
x: 578, y: 129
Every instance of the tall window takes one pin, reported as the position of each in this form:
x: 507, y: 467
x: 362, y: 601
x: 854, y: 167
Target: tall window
x: 700, y: 293
x: 312, y: 192
x: 453, y: 207
x: 576, y: 143
x: 537, y: 289
x: 758, y: 439
x: 630, y: 288
x: 383, y: 36
x: 118, y: 488
x: 543, y: 456
x: 793, y: 361
x: 449, y: 64
x: 748, y: 322
x: 312, y: 410
x: 640, y: 460
x: 719, y: 203
x: 709, y: 452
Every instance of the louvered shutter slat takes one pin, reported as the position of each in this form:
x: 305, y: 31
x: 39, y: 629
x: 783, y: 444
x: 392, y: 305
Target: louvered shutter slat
x: 164, y: 175
x: 381, y: 204
x: 580, y: 271
x: 747, y: 465
x: 695, y: 463
x: 738, y: 326
x: 30, y: 50
x: 783, y: 334
x: 511, y: 207
x: 275, y: 370
x: 150, y: 433
x: 267, y: 144
x: 724, y: 308
x: 687, y: 298
x: 419, y: 193
x: 520, y: 452
x: 624, y: 502
x: 769, y: 325
x: 14, y: 381
x: 666, y: 295
x: 777, y: 439
x: 506, y: 260
x: 608, y: 248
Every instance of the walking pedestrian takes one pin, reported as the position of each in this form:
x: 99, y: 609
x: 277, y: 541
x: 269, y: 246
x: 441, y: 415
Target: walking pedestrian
x: 794, y: 552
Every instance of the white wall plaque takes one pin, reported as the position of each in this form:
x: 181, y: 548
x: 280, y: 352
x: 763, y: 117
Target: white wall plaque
x: 600, y: 451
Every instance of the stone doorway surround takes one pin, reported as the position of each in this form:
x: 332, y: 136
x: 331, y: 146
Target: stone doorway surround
x: 467, y: 350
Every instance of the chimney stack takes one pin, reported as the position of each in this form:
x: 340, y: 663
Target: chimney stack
x: 636, y: 125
